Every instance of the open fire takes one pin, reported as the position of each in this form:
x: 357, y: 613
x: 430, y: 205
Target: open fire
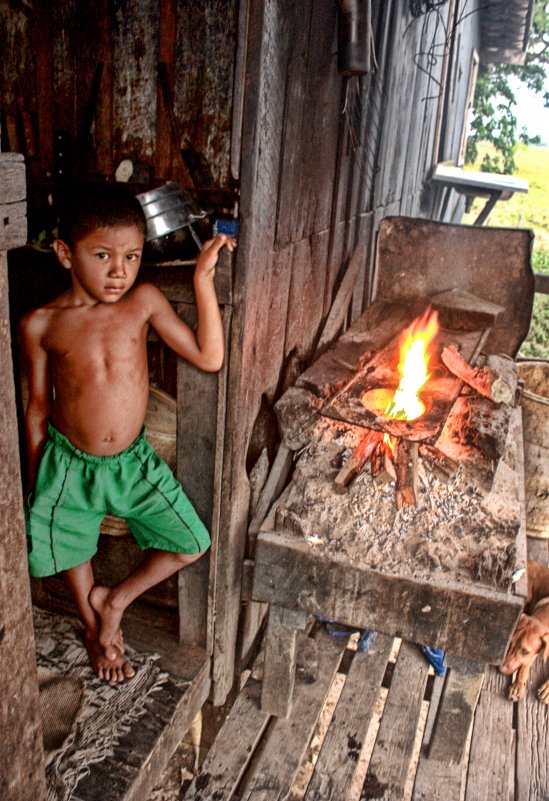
x: 413, y: 368
x: 406, y: 392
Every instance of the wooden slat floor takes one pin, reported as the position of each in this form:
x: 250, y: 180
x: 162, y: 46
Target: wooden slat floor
x: 375, y: 738
x: 362, y: 730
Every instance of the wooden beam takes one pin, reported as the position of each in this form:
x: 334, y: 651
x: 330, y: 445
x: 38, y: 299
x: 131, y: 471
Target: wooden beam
x: 22, y: 775
x: 280, y: 660
x: 290, y: 573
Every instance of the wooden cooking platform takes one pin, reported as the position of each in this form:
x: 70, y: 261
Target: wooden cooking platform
x: 471, y: 619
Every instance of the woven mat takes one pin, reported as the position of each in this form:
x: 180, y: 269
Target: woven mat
x: 83, y: 717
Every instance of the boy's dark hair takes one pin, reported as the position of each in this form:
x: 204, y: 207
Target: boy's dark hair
x: 100, y: 205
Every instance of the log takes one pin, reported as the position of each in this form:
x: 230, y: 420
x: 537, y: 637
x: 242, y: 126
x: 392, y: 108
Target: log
x: 357, y: 459
x: 442, y: 464
x: 495, y: 381
x: 404, y: 490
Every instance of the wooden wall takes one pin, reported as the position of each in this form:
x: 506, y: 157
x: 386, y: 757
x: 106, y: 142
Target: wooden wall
x: 85, y: 77
x: 325, y: 158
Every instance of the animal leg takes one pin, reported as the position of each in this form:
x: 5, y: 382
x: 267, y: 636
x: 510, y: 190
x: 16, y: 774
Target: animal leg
x: 518, y: 687
x: 543, y: 692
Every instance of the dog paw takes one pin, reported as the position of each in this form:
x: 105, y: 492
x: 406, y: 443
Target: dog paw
x: 516, y: 691
x: 543, y: 692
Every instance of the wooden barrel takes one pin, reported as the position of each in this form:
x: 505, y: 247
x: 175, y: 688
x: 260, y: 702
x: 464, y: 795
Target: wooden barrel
x: 535, y: 416
x: 161, y: 424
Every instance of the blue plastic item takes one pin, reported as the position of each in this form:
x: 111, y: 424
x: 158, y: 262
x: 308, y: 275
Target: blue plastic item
x: 435, y: 657
x: 229, y: 227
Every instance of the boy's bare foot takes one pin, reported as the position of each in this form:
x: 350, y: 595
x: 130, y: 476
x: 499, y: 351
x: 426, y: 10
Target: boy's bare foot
x: 110, y: 634
x: 115, y: 670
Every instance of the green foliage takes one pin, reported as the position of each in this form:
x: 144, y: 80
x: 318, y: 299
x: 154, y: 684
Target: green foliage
x: 494, y: 120
x: 526, y: 210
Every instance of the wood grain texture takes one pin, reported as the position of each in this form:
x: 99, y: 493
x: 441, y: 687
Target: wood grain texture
x: 490, y: 769
x: 338, y: 758
x: 22, y: 775
x: 456, y: 709
x: 280, y: 659
x: 233, y: 748
x: 532, y: 768
x: 290, y: 573
x: 388, y: 768
x: 287, y: 739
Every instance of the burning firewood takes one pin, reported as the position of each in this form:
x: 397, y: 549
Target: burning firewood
x: 357, y: 459
x: 493, y: 381
x: 404, y: 489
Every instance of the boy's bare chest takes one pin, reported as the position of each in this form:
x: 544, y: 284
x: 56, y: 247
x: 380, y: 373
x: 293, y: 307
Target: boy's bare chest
x: 96, y: 338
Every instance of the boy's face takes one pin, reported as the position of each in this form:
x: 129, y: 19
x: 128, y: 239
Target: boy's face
x: 104, y: 263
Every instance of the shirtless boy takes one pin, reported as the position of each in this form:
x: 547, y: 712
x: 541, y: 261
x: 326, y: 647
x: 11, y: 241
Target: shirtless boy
x: 86, y: 358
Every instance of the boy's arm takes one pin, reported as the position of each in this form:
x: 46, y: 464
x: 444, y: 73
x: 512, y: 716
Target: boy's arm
x: 40, y: 391
x: 204, y: 348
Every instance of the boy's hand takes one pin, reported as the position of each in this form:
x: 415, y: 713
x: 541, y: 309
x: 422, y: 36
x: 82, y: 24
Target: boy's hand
x: 205, y: 264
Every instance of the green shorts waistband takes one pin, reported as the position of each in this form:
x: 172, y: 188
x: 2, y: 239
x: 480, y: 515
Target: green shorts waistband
x: 62, y: 441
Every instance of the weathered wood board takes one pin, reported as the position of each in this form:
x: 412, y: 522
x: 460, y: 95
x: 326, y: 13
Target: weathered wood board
x: 338, y: 758
x: 289, y: 573
x: 22, y: 774
x: 390, y: 761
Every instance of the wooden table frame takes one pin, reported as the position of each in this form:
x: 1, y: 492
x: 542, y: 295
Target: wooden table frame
x: 298, y: 582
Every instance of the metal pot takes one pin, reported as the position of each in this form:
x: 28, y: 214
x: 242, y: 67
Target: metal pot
x: 170, y: 212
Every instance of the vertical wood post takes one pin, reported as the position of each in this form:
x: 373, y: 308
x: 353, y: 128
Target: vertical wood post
x: 200, y: 427
x: 22, y: 773
x: 280, y: 659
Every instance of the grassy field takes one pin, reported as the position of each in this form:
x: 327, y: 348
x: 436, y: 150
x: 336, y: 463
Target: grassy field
x: 530, y: 210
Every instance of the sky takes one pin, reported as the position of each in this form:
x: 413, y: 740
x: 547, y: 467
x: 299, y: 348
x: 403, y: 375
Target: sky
x: 530, y: 112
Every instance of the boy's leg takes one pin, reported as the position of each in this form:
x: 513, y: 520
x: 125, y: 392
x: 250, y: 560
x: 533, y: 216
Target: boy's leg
x: 111, y: 602
x: 112, y: 666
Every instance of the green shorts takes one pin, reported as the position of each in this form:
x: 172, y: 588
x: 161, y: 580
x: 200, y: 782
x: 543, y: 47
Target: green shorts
x: 75, y: 490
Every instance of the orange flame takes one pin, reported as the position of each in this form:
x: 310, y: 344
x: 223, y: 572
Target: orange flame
x: 413, y: 367
x: 390, y: 442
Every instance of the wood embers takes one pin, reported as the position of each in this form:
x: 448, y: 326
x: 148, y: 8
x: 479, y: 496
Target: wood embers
x: 447, y: 502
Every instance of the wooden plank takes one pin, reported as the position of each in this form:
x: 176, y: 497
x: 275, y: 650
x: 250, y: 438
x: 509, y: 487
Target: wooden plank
x: 390, y: 761
x: 537, y: 550
x: 203, y: 86
x: 290, y: 573
x: 13, y: 225
x: 265, y: 81
x: 491, y: 754
x: 139, y: 758
x: 13, y: 188
x: 104, y: 111
x: 437, y: 781
x: 432, y: 251
x: 273, y: 487
x: 532, y: 768
x: 340, y: 752
x: 456, y: 710
x: 199, y: 449
x: 163, y: 155
x: 342, y: 299
x: 22, y: 774
x: 288, y: 738
x: 135, y: 48
x: 280, y: 659
x: 233, y: 748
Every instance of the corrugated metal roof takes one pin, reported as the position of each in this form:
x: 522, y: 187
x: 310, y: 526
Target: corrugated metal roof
x: 505, y: 29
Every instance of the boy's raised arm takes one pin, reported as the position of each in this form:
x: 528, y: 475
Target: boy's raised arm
x: 204, y: 348
x: 40, y: 390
